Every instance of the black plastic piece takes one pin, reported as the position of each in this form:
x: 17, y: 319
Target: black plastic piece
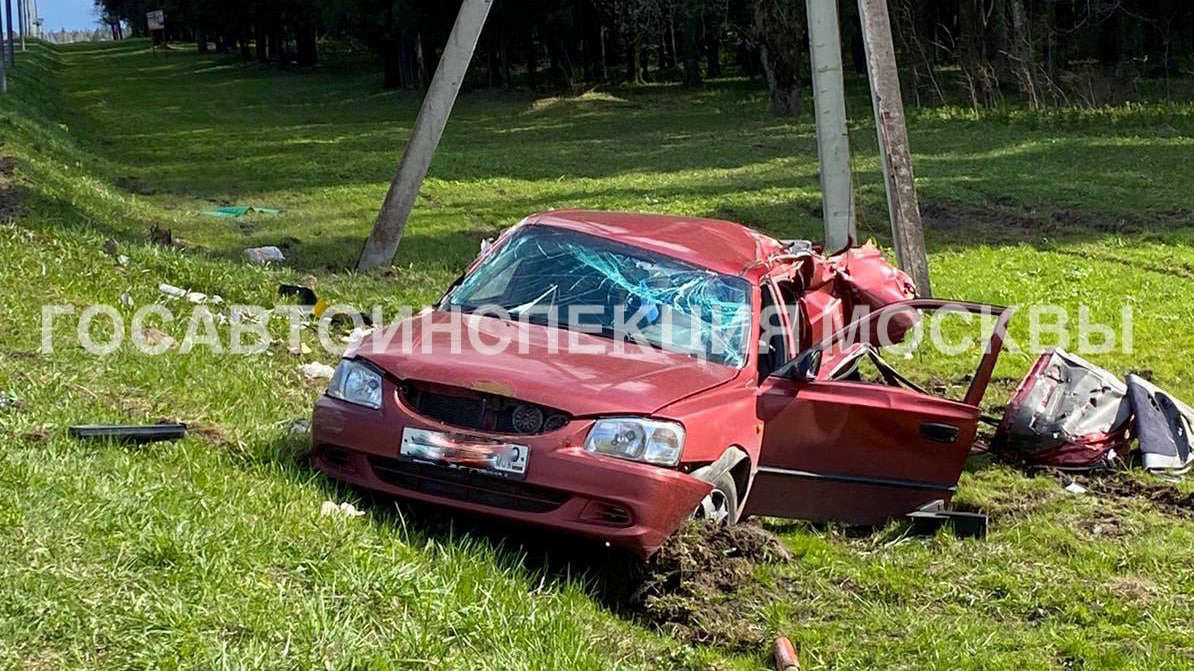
x: 136, y: 434
x: 932, y: 516
x: 305, y: 295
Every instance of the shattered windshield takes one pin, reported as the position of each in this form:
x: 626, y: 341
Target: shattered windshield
x: 582, y: 282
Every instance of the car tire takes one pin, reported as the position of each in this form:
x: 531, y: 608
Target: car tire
x: 720, y: 505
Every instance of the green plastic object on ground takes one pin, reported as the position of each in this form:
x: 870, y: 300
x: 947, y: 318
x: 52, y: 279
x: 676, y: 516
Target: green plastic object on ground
x: 239, y: 211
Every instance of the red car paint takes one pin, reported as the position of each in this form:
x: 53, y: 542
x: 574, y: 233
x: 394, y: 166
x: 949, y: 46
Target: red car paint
x: 816, y: 448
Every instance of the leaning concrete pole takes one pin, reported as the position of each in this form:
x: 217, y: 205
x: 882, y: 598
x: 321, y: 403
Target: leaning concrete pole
x: 429, y: 126
x: 833, y: 142
x: 896, y: 158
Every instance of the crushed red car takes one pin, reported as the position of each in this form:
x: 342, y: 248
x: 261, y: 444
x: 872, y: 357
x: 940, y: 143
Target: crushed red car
x: 730, y: 401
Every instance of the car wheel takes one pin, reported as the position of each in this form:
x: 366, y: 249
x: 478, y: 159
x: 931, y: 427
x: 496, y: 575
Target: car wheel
x: 720, y: 505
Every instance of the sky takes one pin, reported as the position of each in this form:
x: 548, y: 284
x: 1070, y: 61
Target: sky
x: 69, y: 14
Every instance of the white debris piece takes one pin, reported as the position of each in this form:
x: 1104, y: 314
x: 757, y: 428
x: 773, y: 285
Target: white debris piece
x: 299, y: 427
x: 1075, y: 488
x: 264, y: 254
x: 317, y: 371
x: 346, y: 509
x: 126, y: 299
x: 171, y: 290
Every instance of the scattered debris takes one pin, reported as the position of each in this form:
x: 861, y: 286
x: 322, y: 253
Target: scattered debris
x: 1075, y: 488
x: 1067, y: 413
x: 195, y: 297
x: 137, y: 434
x: 111, y: 248
x: 154, y: 337
x: 268, y: 254
x: 1163, y: 426
x: 317, y: 371
x: 122, y: 260
x: 300, y: 426
x: 126, y: 299
x: 7, y: 400
x: 785, y: 655
x: 932, y: 516
x: 171, y: 290
x: 701, y: 586
x: 302, y: 349
x: 239, y: 211
x: 305, y: 295
x: 161, y: 236
x: 346, y: 509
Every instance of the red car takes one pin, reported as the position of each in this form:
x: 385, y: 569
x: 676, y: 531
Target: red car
x: 709, y: 412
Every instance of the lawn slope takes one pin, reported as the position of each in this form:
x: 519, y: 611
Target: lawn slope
x: 212, y: 552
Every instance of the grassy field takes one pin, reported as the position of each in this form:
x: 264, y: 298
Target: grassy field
x: 211, y: 552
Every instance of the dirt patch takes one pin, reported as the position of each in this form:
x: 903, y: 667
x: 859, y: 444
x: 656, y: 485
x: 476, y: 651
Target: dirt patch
x: 1003, y: 220
x: 1114, y: 485
x: 701, y: 586
x: 1164, y: 498
x: 11, y: 195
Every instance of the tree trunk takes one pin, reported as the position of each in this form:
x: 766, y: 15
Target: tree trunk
x: 306, y: 45
x: 260, y: 42
x: 782, y: 83
x: 201, y: 41
x: 713, y: 50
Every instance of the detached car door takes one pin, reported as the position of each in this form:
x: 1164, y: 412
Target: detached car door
x: 863, y: 452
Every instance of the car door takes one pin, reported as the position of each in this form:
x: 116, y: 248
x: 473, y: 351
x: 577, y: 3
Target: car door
x: 860, y: 452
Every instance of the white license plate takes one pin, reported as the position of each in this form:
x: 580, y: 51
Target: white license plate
x: 463, y: 451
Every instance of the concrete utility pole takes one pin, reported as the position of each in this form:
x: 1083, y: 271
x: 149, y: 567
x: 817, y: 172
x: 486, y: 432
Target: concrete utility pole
x: 429, y: 127
x: 895, y: 157
x: 12, y: 55
x: 833, y: 141
x: 3, y: 60
x: 23, y: 14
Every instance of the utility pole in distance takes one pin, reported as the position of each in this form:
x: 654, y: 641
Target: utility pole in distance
x: 22, y: 21
x: 12, y: 55
x: 3, y: 58
x: 833, y: 141
x: 383, y: 241
x: 895, y: 157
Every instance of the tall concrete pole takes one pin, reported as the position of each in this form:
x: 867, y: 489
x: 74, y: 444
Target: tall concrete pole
x: 896, y: 158
x: 3, y: 58
x: 383, y: 241
x: 12, y: 55
x: 23, y: 14
x: 833, y: 142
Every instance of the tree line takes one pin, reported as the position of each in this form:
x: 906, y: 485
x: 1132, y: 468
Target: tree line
x: 980, y: 53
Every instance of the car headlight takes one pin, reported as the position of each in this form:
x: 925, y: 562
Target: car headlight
x: 648, y: 440
x: 356, y: 383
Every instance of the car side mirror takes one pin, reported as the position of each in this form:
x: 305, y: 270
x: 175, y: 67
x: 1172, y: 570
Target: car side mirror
x: 806, y: 366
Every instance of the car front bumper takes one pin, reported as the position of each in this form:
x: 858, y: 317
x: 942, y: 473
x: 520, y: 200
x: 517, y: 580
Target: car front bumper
x: 631, y: 505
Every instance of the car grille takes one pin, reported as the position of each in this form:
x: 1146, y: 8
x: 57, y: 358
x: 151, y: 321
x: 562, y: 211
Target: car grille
x: 469, y: 409
x: 464, y: 485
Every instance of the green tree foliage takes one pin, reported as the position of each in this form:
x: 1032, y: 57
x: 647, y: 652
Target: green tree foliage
x: 978, y: 52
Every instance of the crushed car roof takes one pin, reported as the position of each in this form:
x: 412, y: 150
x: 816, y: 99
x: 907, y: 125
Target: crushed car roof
x: 722, y: 246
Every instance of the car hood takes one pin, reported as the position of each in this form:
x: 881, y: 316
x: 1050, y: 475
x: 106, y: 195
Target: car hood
x: 591, y: 378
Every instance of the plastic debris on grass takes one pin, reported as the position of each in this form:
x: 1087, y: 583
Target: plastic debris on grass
x: 232, y: 211
x: 263, y: 255
x: 333, y: 509
x: 317, y: 371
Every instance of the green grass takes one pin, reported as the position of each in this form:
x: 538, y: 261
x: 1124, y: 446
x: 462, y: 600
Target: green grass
x: 211, y: 552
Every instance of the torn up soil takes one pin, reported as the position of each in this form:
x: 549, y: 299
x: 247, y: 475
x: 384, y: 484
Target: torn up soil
x: 1165, y: 498
x: 701, y: 586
